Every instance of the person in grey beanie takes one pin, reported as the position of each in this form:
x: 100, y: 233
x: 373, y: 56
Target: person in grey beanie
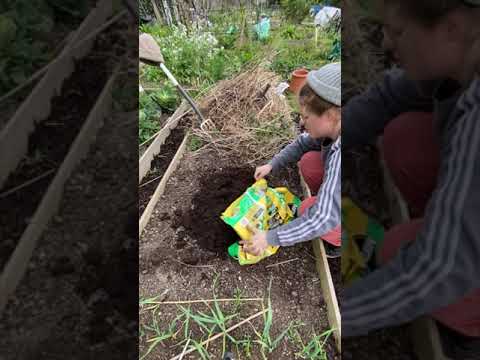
x: 318, y: 152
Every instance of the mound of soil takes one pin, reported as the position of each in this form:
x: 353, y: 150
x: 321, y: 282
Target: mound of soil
x: 215, y: 193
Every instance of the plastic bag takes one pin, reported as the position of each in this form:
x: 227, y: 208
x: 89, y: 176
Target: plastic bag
x: 262, y: 29
x: 325, y: 15
x: 362, y: 236
x: 259, y: 207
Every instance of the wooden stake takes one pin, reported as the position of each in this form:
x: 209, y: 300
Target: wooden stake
x: 283, y: 262
x: 155, y: 10
x: 202, y: 301
x: 25, y: 184
x: 184, y: 349
x: 150, y: 181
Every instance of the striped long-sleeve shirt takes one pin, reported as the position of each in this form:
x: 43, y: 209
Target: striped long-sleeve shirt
x: 325, y: 214
x: 442, y: 265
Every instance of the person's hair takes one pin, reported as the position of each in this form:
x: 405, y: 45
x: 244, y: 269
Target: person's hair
x: 427, y: 12
x: 312, y: 102
x: 431, y: 12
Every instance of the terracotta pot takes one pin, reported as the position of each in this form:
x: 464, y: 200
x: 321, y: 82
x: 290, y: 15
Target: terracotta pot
x: 299, y: 77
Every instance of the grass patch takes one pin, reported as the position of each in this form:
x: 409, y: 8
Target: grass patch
x: 194, y: 324
x: 195, y: 143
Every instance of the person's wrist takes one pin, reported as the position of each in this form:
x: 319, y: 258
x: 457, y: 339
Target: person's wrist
x: 272, y: 238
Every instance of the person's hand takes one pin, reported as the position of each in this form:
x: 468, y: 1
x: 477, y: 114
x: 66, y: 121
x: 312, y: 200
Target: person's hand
x: 257, y: 244
x: 262, y: 171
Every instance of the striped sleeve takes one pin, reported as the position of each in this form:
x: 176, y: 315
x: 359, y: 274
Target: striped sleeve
x: 441, y: 266
x: 294, y: 151
x: 323, y: 216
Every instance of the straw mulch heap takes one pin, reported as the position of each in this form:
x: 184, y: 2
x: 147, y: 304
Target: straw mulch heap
x: 363, y: 54
x: 246, y: 117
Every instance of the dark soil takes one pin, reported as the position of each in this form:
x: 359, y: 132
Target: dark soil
x: 78, y: 299
x: 48, y: 145
x: 215, y: 193
x: 159, y: 165
x: 391, y: 344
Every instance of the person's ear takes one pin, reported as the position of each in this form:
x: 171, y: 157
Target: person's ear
x: 333, y: 114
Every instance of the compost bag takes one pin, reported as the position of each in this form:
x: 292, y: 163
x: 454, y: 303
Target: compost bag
x: 259, y: 207
x: 362, y: 237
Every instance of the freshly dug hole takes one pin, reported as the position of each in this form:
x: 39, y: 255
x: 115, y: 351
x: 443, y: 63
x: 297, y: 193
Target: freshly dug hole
x: 215, y: 193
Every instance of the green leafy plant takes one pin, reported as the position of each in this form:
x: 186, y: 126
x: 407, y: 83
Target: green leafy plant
x: 200, y: 58
x: 195, y: 143
x: 148, y: 114
x: 291, y: 32
x: 294, y: 57
x: 73, y: 8
x: 146, y: 126
x: 314, y: 348
x: 26, y: 28
x: 295, y: 10
x: 166, y: 97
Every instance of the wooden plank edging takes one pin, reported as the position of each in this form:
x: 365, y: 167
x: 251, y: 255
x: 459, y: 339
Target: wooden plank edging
x: 37, y: 106
x: 154, y: 148
x: 18, y: 262
x: 326, y: 282
x: 147, y: 213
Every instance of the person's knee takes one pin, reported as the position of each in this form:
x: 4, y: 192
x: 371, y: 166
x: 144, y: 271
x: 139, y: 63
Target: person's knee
x: 396, y: 237
x: 311, y: 167
x: 399, y: 137
x: 311, y: 162
x: 411, y: 155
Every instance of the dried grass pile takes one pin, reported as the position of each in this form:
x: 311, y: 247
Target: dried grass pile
x: 246, y: 117
x: 363, y: 54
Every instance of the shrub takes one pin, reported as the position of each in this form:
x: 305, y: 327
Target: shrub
x: 295, y: 10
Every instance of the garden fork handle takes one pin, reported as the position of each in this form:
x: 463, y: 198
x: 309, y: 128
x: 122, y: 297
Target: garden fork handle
x: 182, y: 91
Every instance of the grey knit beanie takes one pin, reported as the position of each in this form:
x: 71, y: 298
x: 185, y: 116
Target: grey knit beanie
x: 326, y: 82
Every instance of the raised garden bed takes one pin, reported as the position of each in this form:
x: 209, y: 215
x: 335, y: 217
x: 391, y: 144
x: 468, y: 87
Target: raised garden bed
x: 32, y: 191
x: 183, y: 255
x: 151, y: 149
x: 159, y: 165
